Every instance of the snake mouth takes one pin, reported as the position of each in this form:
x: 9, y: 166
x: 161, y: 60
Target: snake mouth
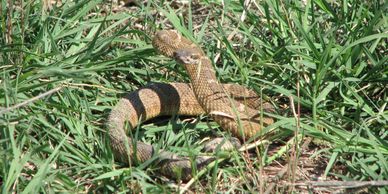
x: 187, y: 56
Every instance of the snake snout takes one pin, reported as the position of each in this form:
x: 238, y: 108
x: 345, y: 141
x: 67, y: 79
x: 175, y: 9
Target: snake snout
x: 187, y: 56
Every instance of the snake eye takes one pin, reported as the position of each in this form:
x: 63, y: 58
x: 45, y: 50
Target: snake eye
x: 195, y: 56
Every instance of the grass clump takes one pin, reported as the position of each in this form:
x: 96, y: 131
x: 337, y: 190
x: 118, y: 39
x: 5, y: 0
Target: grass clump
x: 329, y: 57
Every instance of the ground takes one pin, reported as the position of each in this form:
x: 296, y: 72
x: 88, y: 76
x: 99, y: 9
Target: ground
x: 322, y: 64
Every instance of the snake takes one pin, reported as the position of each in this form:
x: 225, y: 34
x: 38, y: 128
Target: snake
x: 234, y: 107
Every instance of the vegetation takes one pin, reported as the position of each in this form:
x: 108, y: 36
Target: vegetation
x: 329, y: 58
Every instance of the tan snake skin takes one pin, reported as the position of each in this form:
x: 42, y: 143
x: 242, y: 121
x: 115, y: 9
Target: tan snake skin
x: 232, y: 106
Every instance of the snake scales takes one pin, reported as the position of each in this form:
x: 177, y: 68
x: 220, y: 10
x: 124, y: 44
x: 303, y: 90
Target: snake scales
x: 232, y: 106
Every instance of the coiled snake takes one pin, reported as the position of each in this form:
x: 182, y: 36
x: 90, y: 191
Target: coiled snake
x: 232, y: 106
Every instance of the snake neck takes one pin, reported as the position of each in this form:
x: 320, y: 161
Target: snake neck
x: 205, y: 84
x: 212, y: 97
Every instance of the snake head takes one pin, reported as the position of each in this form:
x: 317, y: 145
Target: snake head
x: 167, y: 41
x: 188, y: 56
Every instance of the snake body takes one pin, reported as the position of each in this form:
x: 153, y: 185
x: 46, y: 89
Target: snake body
x: 240, y: 119
x: 232, y: 106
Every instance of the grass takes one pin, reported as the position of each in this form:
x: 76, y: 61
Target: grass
x: 330, y: 57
